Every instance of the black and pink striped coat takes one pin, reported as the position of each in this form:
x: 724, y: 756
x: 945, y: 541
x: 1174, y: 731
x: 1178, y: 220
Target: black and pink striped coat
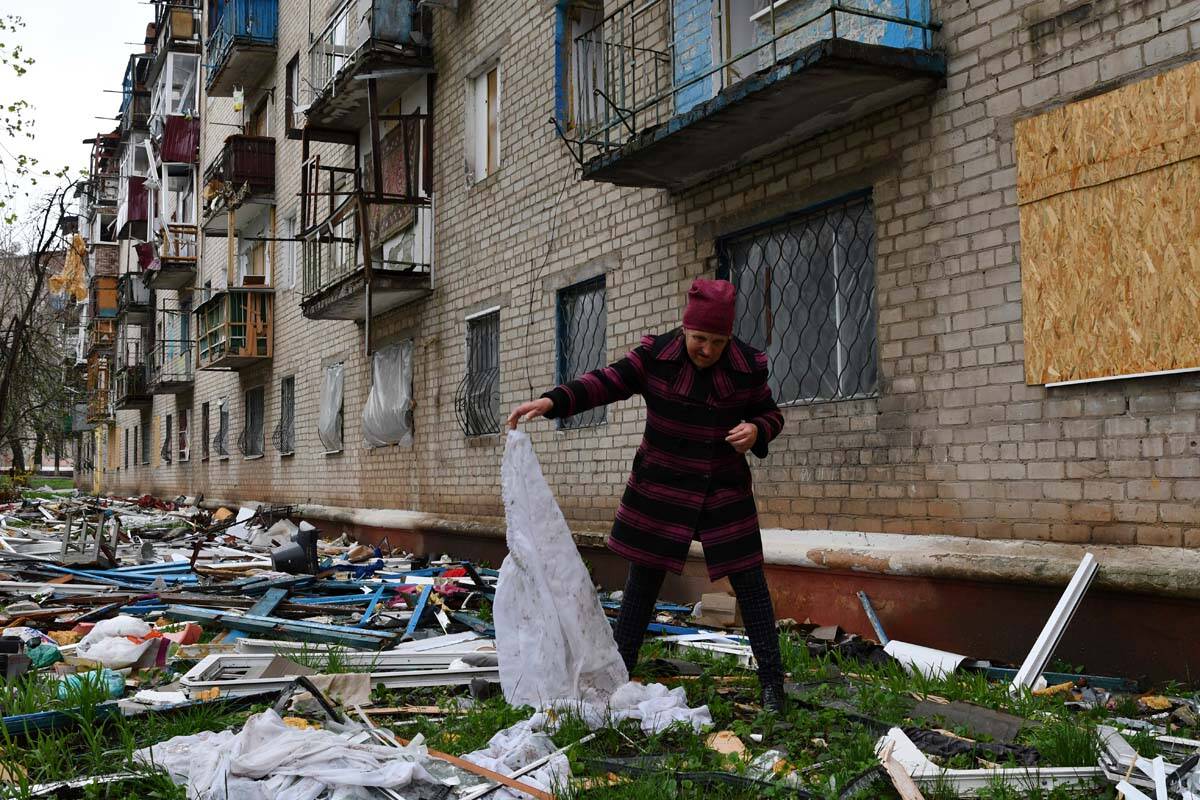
x: 687, y: 481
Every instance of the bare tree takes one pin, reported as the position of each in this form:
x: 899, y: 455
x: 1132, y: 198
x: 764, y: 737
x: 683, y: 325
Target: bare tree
x: 33, y: 393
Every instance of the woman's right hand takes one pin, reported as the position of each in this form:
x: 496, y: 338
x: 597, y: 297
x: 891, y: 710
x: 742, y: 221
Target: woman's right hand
x: 529, y: 410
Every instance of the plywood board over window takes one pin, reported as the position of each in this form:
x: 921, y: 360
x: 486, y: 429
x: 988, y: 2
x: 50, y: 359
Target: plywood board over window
x: 1109, y: 195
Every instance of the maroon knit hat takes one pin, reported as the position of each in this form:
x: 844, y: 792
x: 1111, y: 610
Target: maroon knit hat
x: 710, y: 307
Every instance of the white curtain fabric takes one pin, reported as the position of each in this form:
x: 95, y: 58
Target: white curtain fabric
x: 385, y: 417
x: 329, y: 423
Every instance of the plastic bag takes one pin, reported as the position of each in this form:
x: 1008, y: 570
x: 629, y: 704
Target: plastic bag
x: 385, y: 415
x: 329, y: 421
x: 106, y: 643
x: 552, y: 637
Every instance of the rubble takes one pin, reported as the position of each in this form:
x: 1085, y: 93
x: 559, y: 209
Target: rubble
x: 174, y: 610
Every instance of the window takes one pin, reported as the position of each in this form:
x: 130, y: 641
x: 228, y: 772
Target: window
x: 581, y: 324
x: 290, y: 101
x: 185, y: 451
x: 204, y: 429
x: 477, y: 402
x: 125, y: 451
x: 146, y: 444
x: 284, y: 437
x: 290, y: 230
x: 250, y: 443
x: 329, y: 423
x: 806, y: 297
x: 387, y: 414
x: 483, y: 120
x: 134, y: 454
x: 168, y: 444
x: 582, y: 65
x: 258, y: 122
x: 221, y: 440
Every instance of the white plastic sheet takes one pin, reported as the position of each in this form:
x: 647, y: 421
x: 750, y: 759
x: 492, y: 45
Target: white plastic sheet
x: 106, y: 643
x: 267, y: 760
x: 329, y: 423
x: 553, y: 639
x: 385, y: 417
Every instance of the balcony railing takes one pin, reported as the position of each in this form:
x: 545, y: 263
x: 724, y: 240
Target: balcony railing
x: 390, y: 27
x: 99, y: 399
x: 102, y: 335
x: 131, y: 387
x: 234, y: 329
x: 652, y: 61
x: 133, y: 296
x: 172, y: 366
x: 103, y: 190
x: 135, y: 114
x: 240, y: 27
x: 175, y: 267
x: 245, y: 166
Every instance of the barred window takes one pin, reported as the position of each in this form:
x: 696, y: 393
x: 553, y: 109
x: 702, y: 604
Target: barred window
x: 284, y: 437
x: 251, y: 440
x: 147, y: 445
x: 806, y: 297
x: 221, y: 439
x: 477, y: 401
x: 581, y: 348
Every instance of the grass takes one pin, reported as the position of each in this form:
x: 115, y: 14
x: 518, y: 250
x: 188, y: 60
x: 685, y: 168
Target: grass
x: 829, y: 747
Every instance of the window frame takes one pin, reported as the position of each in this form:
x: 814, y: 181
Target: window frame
x: 286, y: 413
x: 205, y: 429
x: 485, y: 110
x: 469, y: 412
x: 244, y: 441
x: 597, y: 416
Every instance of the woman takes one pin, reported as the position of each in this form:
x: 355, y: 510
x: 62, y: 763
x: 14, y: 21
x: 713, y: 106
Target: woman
x: 707, y: 404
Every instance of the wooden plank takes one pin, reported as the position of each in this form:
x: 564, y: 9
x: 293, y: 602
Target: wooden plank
x: 905, y: 786
x: 1110, y: 268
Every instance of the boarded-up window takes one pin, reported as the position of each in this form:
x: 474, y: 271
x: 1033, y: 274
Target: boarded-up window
x: 1110, y: 266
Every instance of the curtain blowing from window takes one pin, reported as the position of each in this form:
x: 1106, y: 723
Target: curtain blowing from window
x: 329, y: 423
x: 386, y: 417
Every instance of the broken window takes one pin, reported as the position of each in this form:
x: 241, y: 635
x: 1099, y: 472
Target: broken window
x: 147, y: 445
x: 477, y: 402
x: 125, y: 451
x: 806, y: 297
x: 251, y: 441
x: 284, y: 437
x: 581, y: 346
x: 292, y: 97
x: 387, y: 414
x: 167, y: 445
x: 329, y: 423
x: 221, y: 440
x: 204, y: 430
x: 584, y: 65
x: 185, y: 451
x: 483, y: 121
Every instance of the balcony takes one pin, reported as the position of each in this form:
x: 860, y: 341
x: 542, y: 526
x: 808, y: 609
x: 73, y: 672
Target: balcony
x: 234, y: 329
x: 102, y: 335
x: 177, y: 30
x: 660, y: 96
x: 242, y: 178
x: 175, y: 267
x: 133, y: 299
x: 131, y: 388
x: 393, y: 228
x: 99, y: 401
x: 241, y: 44
x: 388, y: 41
x: 172, y: 368
x: 102, y: 191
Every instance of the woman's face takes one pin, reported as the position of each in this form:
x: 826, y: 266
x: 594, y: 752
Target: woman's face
x: 703, y: 348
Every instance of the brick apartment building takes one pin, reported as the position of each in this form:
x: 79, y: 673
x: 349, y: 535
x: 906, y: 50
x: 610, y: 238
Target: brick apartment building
x: 337, y: 223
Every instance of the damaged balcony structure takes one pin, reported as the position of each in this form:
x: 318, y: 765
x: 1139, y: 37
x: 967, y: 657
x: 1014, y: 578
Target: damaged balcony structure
x: 366, y: 221
x: 669, y: 93
x: 172, y: 354
x: 240, y: 47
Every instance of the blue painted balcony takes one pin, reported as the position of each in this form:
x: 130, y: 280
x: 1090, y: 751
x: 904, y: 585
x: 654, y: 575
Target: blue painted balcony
x: 670, y: 93
x: 242, y: 39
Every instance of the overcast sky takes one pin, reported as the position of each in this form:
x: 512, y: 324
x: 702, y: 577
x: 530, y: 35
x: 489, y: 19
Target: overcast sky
x: 80, y: 47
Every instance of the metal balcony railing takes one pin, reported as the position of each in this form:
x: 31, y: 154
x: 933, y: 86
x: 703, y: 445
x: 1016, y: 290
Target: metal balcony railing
x: 362, y: 23
x: 650, y: 60
x: 245, y: 161
x: 239, y: 23
x: 102, y: 334
x: 132, y: 383
x: 132, y: 294
x: 171, y: 361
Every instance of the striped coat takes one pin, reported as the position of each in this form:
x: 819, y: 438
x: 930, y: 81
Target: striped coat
x: 687, y: 481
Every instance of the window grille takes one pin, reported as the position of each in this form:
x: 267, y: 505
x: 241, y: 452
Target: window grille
x: 284, y: 437
x: 220, y: 441
x: 806, y: 297
x: 477, y: 401
x: 165, y: 451
x: 581, y: 347
x: 250, y: 441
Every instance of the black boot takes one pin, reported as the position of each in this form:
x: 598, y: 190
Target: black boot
x: 773, y: 698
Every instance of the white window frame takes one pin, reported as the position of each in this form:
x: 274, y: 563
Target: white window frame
x: 477, y: 138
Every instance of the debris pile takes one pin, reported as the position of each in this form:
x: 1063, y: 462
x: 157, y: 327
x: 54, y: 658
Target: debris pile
x: 245, y: 653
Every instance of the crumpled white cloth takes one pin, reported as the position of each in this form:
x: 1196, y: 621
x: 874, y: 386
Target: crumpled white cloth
x: 654, y: 706
x: 106, y: 643
x: 514, y: 747
x: 552, y: 637
x: 267, y: 760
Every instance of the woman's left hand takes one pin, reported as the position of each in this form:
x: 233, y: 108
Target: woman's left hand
x: 743, y: 437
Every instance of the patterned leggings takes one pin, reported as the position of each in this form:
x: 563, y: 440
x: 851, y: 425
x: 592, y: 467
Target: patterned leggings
x: 750, y: 586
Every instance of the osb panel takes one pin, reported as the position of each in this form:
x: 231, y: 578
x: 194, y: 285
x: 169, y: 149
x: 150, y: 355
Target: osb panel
x: 1110, y: 277
x: 1124, y: 132
x: 1110, y: 251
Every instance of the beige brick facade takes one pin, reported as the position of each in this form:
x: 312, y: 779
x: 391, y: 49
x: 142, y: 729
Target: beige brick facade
x: 955, y: 442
